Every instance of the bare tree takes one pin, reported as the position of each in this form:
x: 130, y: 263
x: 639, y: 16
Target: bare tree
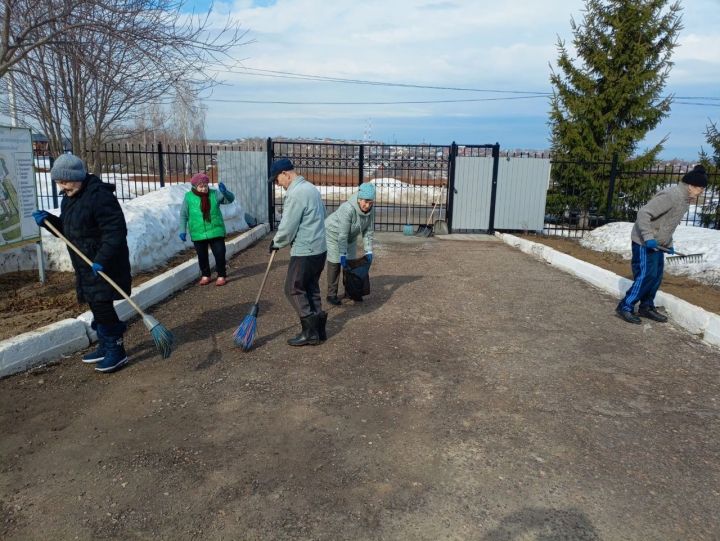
x: 188, y: 121
x: 99, y: 77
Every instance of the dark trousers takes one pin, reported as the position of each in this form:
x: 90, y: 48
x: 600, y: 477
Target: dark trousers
x: 647, y: 267
x: 104, y: 312
x: 302, y: 284
x: 333, y: 278
x: 217, y: 245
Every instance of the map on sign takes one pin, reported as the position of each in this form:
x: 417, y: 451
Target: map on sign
x: 17, y: 188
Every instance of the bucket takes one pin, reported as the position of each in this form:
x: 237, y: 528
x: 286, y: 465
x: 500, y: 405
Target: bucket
x: 408, y: 229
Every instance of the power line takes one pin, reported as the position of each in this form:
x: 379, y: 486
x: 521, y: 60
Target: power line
x: 416, y: 102
x: 323, y: 78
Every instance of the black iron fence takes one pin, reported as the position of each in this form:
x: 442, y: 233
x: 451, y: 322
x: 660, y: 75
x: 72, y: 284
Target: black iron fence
x: 585, y: 195
x: 137, y: 169
x: 410, y: 180
x: 415, y: 183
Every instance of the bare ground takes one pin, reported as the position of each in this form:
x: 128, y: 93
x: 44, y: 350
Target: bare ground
x: 476, y: 394
x: 26, y: 304
x: 694, y: 292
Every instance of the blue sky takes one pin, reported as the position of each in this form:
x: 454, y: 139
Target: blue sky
x: 470, y: 44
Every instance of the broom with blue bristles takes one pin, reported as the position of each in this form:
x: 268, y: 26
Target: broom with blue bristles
x: 162, y: 337
x: 244, y: 335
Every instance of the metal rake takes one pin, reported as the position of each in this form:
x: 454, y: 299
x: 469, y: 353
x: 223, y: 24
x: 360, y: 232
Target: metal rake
x: 680, y: 259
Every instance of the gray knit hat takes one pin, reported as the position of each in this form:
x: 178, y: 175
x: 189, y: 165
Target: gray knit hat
x: 68, y: 167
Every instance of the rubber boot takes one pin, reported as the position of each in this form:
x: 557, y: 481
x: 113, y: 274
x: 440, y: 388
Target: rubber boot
x: 309, y: 334
x: 115, y: 355
x: 97, y: 355
x: 322, y: 322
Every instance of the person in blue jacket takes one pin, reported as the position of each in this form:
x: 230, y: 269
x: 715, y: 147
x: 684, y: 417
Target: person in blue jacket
x: 355, y: 217
x: 303, y: 227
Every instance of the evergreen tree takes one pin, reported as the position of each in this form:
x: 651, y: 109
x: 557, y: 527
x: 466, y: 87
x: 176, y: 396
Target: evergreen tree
x: 710, y: 215
x: 608, y: 100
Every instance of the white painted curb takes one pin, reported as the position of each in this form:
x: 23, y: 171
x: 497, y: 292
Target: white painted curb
x: 688, y: 316
x: 71, y: 335
x: 42, y: 345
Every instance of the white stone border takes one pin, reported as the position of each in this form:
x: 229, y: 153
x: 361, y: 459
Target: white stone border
x: 51, y: 342
x: 688, y: 316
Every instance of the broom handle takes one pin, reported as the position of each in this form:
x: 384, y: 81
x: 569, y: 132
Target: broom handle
x: 85, y: 258
x: 267, y: 271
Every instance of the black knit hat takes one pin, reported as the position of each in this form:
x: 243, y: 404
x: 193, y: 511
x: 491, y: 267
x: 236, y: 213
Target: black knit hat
x: 696, y: 177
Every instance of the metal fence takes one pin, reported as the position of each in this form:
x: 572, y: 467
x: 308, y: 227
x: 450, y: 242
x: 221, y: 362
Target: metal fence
x: 586, y: 195
x: 410, y: 180
x: 136, y: 169
x: 415, y: 183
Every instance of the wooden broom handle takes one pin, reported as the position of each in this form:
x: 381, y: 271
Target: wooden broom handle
x: 431, y: 215
x: 85, y: 258
x: 267, y: 271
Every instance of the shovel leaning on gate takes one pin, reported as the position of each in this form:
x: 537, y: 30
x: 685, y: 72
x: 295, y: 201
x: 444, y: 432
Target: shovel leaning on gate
x: 427, y: 229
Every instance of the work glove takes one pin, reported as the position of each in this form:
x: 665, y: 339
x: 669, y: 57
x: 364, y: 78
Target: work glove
x: 671, y: 250
x: 183, y: 236
x: 97, y: 267
x: 222, y: 188
x: 343, y: 262
x: 40, y: 216
x: 272, y: 247
x: 369, y: 257
x: 651, y: 244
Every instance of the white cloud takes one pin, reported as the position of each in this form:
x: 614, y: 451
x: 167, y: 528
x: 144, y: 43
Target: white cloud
x: 458, y: 43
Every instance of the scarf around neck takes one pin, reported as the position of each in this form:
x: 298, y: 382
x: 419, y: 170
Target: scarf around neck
x: 204, y: 203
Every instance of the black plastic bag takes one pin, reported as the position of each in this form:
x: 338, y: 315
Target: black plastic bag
x: 357, y: 280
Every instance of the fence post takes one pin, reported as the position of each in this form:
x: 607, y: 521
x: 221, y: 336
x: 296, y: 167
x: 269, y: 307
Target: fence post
x: 451, y: 185
x: 493, y: 191
x: 270, y: 185
x: 611, y: 188
x: 361, y: 165
x: 161, y: 164
x: 53, y: 187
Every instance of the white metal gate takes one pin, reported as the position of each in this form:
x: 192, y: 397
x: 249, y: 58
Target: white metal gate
x: 519, y: 199
x: 245, y: 174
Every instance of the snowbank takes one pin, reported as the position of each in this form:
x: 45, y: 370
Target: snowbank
x: 389, y: 191
x: 153, y: 227
x: 615, y: 237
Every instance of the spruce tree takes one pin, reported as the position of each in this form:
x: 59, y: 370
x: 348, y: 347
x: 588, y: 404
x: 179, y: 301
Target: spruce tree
x: 607, y: 100
x: 710, y: 214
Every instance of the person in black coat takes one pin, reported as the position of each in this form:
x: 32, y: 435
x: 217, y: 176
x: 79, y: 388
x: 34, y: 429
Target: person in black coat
x: 91, y: 219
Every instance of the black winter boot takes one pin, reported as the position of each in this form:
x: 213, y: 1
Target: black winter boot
x: 309, y: 334
x: 115, y: 356
x: 322, y: 334
x: 650, y: 312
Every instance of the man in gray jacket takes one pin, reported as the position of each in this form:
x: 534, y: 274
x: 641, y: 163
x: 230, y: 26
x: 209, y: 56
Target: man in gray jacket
x: 302, y: 226
x: 654, y: 227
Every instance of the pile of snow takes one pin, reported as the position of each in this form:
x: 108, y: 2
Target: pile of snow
x: 153, y: 227
x: 389, y: 191
x: 615, y: 237
x: 126, y: 186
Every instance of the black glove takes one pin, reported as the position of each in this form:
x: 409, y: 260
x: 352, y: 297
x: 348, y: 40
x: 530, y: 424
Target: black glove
x: 272, y: 247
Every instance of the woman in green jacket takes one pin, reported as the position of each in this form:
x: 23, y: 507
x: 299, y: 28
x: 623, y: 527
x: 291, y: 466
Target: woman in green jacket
x: 200, y: 212
x: 353, y: 218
